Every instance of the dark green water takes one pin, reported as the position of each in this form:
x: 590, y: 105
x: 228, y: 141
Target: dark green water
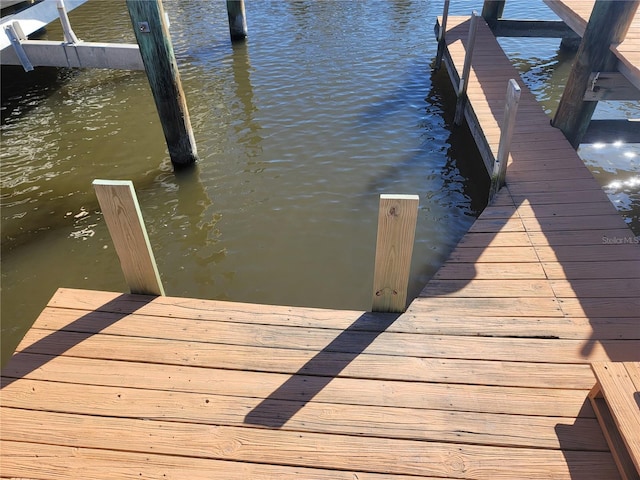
x: 299, y: 130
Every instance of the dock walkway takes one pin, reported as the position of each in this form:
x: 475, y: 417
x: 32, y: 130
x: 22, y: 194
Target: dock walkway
x: 486, y: 376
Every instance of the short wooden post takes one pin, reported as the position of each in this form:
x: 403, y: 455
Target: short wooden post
x: 237, y: 20
x: 608, y: 23
x: 492, y: 11
x: 121, y: 211
x: 397, y: 220
x: 152, y: 33
x: 442, y: 43
x: 466, y: 70
x: 506, y: 133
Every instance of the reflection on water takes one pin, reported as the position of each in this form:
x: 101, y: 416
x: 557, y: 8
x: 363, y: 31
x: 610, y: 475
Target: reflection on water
x: 616, y: 166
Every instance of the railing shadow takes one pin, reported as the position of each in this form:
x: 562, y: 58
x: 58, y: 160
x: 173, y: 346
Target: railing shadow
x: 318, y: 372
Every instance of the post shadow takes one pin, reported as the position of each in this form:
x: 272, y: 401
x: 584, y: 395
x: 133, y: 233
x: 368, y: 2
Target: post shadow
x: 318, y: 372
x: 58, y: 342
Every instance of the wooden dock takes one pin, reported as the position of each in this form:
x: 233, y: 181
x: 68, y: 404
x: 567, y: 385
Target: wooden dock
x: 486, y: 375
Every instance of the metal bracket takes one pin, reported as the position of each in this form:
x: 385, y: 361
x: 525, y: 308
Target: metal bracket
x: 16, y: 36
x: 143, y: 27
x: 594, y: 81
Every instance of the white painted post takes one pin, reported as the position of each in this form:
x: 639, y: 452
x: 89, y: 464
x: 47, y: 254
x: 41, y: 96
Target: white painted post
x: 69, y: 34
x: 397, y: 218
x: 466, y: 70
x: 506, y: 133
x: 441, y: 41
x: 121, y: 211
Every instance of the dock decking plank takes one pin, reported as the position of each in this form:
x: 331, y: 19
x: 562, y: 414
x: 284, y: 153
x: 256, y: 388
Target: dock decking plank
x: 414, y: 424
x: 299, y: 449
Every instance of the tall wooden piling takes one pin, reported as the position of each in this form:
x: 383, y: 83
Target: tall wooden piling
x: 237, y: 20
x: 608, y: 23
x: 397, y: 218
x: 152, y: 33
x: 121, y: 212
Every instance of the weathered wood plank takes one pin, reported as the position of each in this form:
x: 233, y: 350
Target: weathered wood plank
x: 552, y: 402
x: 312, y: 449
x: 493, y: 254
x: 407, y: 323
x: 516, y: 288
x: 581, y: 253
x: 602, y: 307
x: 619, y: 390
x: 26, y: 460
x: 362, y: 420
x: 524, y: 327
x: 386, y: 344
x: 597, y: 288
x: 622, y: 270
x: 601, y: 223
x: 489, y: 271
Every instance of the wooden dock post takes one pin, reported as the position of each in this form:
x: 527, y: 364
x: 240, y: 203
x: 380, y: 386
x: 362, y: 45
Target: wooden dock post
x: 152, y: 33
x: 466, y: 69
x: 492, y: 11
x: 397, y: 218
x: 506, y: 133
x: 608, y: 23
x: 237, y: 20
x: 441, y: 40
x: 121, y: 211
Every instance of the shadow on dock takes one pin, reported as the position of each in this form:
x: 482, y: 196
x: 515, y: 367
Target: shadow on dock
x: 317, y: 373
x: 39, y: 353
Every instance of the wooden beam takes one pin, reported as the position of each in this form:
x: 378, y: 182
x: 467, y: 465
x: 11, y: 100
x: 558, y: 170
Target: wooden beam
x: 608, y: 24
x: 610, y: 86
x: 43, y: 53
x: 609, y: 131
x: 152, y: 33
x: 532, y: 28
x: 397, y: 220
x: 506, y: 133
x: 123, y: 217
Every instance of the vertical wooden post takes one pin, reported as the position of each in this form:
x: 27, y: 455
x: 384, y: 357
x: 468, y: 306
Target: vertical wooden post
x: 466, y: 70
x: 121, y: 211
x: 608, y: 23
x: 397, y: 220
x: 506, y: 133
x: 152, y: 33
x: 237, y: 20
x: 442, y: 43
x: 492, y: 10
